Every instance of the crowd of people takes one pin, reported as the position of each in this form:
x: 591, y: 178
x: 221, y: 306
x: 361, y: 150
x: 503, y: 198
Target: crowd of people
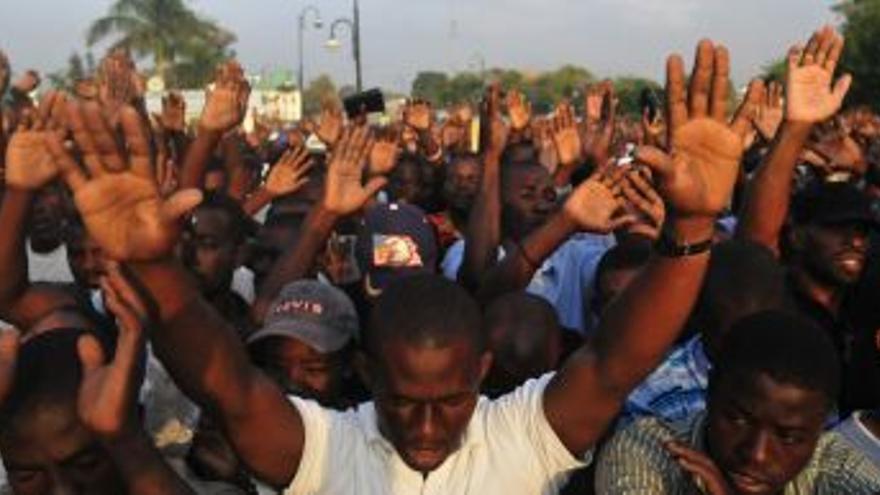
x: 473, y: 300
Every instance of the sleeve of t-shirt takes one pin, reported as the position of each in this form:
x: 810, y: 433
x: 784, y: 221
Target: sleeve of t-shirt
x: 634, y: 462
x: 518, y: 423
x: 452, y: 260
x: 316, y: 423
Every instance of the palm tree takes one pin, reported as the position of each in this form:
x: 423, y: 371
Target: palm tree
x: 163, y: 29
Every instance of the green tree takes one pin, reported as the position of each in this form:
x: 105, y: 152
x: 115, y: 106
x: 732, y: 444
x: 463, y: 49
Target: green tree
x: 775, y: 70
x: 629, y: 94
x: 166, y: 30
x: 465, y: 86
x: 431, y: 86
x: 861, y: 56
x: 76, y: 70
x: 320, y: 89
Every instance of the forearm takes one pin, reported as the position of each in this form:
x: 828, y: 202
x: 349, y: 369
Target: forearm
x: 633, y: 337
x: 298, y: 261
x: 483, y: 233
x: 196, y: 160
x: 143, y: 468
x: 256, y: 201
x: 768, y: 195
x: 13, y: 254
x: 515, y: 272
x: 240, y: 176
x: 265, y: 430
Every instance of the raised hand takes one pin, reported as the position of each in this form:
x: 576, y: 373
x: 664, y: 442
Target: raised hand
x: 696, y: 178
x: 108, y: 391
x: 290, y: 173
x: 494, y: 131
x: 565, y: 135
x: 701, y: 467
x: 383, y: 155
x: 809, y: 93
x: 226, y: 104
x: 117, y: 196
x: 118, y: 83
x: 600, y: 120
x: 542, y: 137
x: 644, y: 202
x: 770, y: 112
x: 173, y: 117
x: 419, y: 115
x: 344, y: 191
x: 329, y: 129
x: 29, y: 165
x: 597, y: 205
x: 519, y: 110
x: 27, y: 82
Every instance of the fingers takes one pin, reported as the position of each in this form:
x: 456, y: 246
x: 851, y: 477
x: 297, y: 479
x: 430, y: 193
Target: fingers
x: 83, y: 137
x: 826, y: 43
x: 102, y: 136
x: 375, y: 185
x: 676, y: 106
x: 91, y: 356
x: 140, y: 156
x: 701, y: 80
x: 658, y: 161
x: 795, y: 55
x: 179, y: 204
x: 834, y: 53
x: 809, y: 55
x: 742, y: 120
x: 841, y: 88
x: 720, y: 84
x: 73, y: 175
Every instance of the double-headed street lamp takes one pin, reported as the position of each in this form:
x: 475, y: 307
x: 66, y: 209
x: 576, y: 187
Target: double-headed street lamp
x: 301, y: 27
x: 354, y: 25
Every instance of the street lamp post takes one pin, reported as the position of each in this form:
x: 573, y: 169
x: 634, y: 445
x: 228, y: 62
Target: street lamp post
x: 301, y: 26
x: 355, y: 27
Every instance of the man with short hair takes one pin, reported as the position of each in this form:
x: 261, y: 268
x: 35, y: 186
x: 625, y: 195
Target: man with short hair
x: 427, y: 430
x: 763, y: 431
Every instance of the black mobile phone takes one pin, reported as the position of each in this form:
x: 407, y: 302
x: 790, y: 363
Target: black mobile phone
x: 369, y: 101
x: 650, y: 103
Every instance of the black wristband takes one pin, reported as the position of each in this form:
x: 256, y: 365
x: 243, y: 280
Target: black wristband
x: 668, y: 248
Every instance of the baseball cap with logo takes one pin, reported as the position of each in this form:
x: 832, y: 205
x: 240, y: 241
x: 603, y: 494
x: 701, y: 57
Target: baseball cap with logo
x: 395, y: 240
x: 317, y: 314
x: 831, y: 203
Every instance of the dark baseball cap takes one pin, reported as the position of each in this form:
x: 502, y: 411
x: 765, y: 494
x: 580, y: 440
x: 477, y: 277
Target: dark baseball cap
x: 317, y: 314
x: 394, y: 240
x: 827, y: 203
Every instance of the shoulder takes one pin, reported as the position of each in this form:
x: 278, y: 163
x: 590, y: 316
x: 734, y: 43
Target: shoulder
x: 837, y: 465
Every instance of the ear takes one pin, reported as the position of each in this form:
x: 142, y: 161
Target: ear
x: 877, y: 339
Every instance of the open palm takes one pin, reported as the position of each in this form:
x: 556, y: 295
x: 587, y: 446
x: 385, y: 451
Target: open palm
x: 810, y: 96
x: 119, y: 199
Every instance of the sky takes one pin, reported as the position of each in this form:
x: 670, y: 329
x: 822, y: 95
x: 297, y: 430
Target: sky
x: 402, y: 37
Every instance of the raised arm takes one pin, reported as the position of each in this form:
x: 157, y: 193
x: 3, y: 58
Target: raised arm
x: 107, y: 402
x: 123, y: 211
x: 225, y: 108
x: 483, y: 233
x: 344, y: 194
x: 810, y: 99
x: 696, y: 178
x: 29, y: 169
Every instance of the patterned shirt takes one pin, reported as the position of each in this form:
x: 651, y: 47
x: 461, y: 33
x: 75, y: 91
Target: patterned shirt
x: 676, y: 391
x: 635, y: 461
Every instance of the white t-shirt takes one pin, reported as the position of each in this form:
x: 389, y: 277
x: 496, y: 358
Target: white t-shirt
x: 52, y: 267
x: 508, y: 448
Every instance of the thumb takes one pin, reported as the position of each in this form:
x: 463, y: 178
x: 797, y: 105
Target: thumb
x: 91, y: 356
x: 841, y: 87
x: 374, y: 186
x: 180, y: 203
x: 656, y: 159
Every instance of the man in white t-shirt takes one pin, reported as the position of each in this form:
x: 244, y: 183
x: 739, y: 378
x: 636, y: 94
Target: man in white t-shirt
x: 427, y: 430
